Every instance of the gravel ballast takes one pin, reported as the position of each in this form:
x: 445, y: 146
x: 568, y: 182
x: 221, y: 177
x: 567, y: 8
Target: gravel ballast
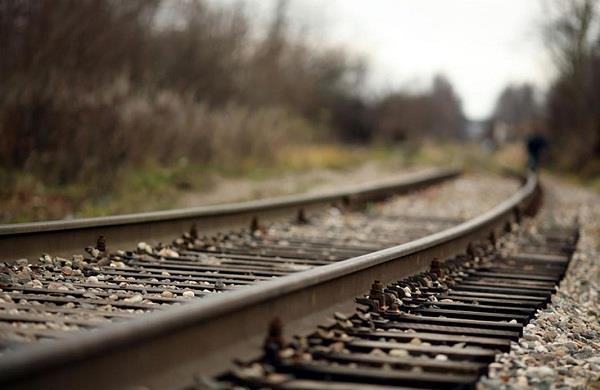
x: 560, y: 348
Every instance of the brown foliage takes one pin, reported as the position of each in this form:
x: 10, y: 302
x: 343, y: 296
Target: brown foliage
x: 88, y: 87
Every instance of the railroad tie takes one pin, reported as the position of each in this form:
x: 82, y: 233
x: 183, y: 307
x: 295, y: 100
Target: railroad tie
x: 438, y: 329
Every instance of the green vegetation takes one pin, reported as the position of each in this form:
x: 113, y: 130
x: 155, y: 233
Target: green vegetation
x: 153, y: 186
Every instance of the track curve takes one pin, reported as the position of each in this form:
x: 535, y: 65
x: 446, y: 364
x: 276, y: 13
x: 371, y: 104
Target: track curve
x: 170, y: 346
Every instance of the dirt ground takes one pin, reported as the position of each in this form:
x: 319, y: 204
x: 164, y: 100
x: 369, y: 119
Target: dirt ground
x: 226, y: 190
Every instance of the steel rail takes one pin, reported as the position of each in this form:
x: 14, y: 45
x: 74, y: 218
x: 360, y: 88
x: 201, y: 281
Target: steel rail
x: 166, y: 349
x: 65, y: 237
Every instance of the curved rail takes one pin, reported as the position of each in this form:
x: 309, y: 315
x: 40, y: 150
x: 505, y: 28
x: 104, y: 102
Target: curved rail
x: 168, y: 348
x: 71, y: 236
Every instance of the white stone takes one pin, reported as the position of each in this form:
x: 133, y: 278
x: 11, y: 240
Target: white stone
x: 92, y: 279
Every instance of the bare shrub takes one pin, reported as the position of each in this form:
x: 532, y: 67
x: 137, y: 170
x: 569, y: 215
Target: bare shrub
x: 90, y: 87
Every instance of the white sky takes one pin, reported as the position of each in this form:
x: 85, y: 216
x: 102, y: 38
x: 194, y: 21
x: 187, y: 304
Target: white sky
x: 481, y: 45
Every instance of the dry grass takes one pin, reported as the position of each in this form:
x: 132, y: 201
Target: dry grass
x: 154, y: 186
x: 321, y: 156
x: 470, y: 156
x: 136, y: 151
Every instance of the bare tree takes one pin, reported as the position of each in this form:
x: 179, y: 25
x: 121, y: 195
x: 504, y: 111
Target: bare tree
x: 434, y: 113
x: 88, y: 87
x: 517, y: 106
x: 572, y: 110
x: 448, y: 118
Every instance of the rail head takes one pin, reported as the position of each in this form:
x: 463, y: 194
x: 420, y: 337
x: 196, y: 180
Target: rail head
x: 152, y: 333
x: 30, y: 240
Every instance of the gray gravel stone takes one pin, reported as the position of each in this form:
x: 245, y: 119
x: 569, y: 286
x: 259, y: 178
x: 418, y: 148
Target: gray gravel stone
x: 560, y: 349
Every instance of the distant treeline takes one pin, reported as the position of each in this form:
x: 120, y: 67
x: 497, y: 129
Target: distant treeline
x: 90, y: 86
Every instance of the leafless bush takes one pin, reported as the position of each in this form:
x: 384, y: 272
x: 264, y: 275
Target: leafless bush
x: 95, y: 137
x: 90, y: 86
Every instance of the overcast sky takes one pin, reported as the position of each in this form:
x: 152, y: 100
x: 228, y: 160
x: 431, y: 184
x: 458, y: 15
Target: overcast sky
x: 481, y: 45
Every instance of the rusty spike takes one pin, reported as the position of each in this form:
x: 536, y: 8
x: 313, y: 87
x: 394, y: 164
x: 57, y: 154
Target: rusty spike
x: 436, y: 268
x: 194, y: 231
x: 518, y: 214
x: 493, y: 238
x: 274, y: 340
x: 471, y: 250
x: 376, y: 288
x: 101, y: 244
x: 301, y: 218
x: 376, y: 293
x: 254, y: 226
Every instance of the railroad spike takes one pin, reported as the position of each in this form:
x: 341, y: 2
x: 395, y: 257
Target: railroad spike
x: 194, y: 231
x: 301, y: 217
x: 101, y: 243
x: 518, y: 214
x: 471, y: 250
x: 436, y: 269
x: 274, y: 341
x: 254, y: 226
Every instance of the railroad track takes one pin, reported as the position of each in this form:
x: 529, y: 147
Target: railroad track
x: 54, y: 296
x: 294, y: 270
x: 437, y: 329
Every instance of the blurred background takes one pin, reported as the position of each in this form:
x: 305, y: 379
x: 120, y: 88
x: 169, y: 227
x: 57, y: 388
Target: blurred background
x: 111, y: 106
